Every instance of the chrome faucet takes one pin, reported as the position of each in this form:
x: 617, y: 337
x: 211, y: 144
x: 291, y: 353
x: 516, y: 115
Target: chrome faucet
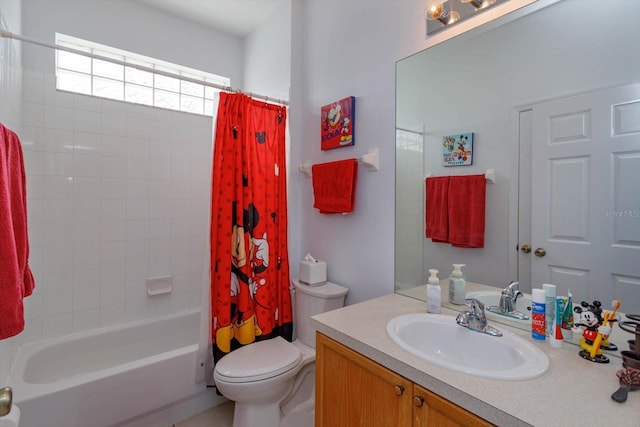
x: 508, y: 298
x: 475, y: 319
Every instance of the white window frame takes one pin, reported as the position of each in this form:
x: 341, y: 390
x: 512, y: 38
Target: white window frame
x: 191, y: 91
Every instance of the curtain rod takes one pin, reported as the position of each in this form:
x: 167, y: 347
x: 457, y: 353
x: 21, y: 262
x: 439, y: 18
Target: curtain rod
x: 10, y: 35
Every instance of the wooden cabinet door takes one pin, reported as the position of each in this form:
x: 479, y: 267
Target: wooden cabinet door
x: 352, y: 390
x: 431, y: 410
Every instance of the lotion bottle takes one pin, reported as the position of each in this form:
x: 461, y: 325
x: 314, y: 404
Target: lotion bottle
x: 457, y: 285
x: 433, y: 292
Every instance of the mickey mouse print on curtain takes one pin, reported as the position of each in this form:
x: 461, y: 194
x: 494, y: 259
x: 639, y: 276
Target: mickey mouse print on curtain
x: 250, y: 286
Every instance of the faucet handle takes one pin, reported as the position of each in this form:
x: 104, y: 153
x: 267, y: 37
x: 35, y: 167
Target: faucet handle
x: 476, y: 306
x: 476, y: 319
x: 512, y: 287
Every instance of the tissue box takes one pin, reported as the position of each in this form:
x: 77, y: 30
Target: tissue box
x: 313, y: 273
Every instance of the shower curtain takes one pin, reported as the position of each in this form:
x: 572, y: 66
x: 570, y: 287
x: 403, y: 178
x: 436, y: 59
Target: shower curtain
x: 250, y: 286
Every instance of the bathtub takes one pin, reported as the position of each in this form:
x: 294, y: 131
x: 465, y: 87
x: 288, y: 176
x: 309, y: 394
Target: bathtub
x: 137, y: 374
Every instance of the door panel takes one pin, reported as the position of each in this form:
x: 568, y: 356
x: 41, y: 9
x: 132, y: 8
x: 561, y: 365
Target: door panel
x: 585, y: 195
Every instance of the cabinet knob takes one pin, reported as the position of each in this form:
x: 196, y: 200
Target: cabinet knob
x: 399, y: 390
x: 418, y: 401
x: 525, y: 249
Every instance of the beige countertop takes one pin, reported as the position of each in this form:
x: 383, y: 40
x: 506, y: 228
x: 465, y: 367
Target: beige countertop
x: 573, y: 391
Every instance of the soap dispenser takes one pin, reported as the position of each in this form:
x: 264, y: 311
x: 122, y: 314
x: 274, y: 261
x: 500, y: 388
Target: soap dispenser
x: 433, y: 292
x: 457, y: 285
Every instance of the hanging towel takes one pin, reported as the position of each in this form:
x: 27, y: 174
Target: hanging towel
x: 437, y: 208
x: 16, y: 280
x: 467, y: 211
x: 334, y: 186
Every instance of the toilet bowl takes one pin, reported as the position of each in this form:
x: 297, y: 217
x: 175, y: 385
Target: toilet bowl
x: 272, y: 381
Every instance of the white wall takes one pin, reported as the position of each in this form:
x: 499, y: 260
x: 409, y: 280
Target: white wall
x: 132, y: 26
x: 350, y: 48
x: 267, y: 55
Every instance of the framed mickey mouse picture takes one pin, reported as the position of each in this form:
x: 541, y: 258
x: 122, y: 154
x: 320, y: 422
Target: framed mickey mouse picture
x: 457, y: 150
x: 337, y: 124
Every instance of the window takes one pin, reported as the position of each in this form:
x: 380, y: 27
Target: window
x: 132, y: 83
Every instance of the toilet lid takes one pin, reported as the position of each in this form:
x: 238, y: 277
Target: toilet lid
x: 258, y: 361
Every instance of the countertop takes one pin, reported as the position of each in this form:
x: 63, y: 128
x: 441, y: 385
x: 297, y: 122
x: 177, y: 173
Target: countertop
x: 573, y: 391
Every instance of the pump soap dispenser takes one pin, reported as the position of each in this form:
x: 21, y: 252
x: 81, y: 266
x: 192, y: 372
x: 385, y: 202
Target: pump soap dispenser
x: 457, y: 285
x: 433, y: 292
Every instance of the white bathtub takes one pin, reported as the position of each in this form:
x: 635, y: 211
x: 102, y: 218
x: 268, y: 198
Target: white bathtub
x: 138, y: 374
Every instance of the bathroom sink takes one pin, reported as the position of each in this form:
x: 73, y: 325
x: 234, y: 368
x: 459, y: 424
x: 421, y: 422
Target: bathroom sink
x: 438, y: 339
x: 492, y: 298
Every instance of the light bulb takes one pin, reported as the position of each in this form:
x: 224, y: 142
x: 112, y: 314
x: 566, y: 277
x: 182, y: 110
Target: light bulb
x: 435, y: 12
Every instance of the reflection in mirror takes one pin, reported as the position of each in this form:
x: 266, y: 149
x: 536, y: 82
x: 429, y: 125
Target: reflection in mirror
x: 552, y: 103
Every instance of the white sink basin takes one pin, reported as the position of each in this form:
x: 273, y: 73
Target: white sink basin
x: 492, y: 298
x: 438, y: 339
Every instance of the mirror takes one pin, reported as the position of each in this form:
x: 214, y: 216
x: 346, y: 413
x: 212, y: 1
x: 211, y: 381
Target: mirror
x: 486, y: 81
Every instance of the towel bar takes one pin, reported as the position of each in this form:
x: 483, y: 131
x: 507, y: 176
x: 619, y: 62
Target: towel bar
x: 371, y: 160
x: 489, y: 175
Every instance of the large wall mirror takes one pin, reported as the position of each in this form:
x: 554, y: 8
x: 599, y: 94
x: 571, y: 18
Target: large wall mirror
x: 553, y: 101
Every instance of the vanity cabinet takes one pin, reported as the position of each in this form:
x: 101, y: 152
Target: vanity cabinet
x: 352, y: 390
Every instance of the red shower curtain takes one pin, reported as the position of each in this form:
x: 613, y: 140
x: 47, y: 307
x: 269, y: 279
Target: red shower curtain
x: 250, y: 287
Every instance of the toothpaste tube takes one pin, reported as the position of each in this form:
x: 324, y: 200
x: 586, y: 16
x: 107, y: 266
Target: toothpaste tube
x: 555, y: 338
x: 567, y: 316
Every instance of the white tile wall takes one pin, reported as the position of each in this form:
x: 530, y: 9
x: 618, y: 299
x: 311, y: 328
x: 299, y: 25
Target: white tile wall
x: 117, y: 193
x: 409, y: 210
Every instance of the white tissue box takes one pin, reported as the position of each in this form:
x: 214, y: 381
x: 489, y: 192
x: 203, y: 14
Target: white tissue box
x: 313, y: 273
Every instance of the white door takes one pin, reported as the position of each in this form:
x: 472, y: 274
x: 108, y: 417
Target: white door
x: 585, y: 195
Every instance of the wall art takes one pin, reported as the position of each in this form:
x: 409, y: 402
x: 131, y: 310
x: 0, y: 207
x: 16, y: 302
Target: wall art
x: 457, y: 150
x: 338, y: 124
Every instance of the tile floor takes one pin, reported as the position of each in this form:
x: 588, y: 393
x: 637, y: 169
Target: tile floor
x: 220, y: 416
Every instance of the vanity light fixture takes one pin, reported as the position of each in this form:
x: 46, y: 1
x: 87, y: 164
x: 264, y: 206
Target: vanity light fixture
x: 436, y: 10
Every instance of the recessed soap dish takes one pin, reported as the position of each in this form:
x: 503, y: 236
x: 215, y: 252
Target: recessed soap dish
x: 159, y: 285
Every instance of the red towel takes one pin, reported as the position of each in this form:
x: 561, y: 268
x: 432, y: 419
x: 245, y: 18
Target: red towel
x: 334, y: 186
x: 16, y: 280
x: 467, y: 211
x: 437, y: 208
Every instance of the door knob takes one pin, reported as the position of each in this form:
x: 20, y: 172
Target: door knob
x: 6, y: 397
x: 399, y: 390
x: 540, y: 252
x: 525, y: 249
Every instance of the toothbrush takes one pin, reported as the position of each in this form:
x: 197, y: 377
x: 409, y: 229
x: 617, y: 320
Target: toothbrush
x: 616, y: 305
x: 608, y: 315
x: 596, y: 343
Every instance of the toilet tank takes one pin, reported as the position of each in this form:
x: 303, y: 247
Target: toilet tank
x: 312, y: 300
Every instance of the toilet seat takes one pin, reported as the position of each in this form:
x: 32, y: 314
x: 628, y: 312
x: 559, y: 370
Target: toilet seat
x: 258, y: 361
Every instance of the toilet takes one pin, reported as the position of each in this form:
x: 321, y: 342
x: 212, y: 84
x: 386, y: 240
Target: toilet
x: 272, y: 382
